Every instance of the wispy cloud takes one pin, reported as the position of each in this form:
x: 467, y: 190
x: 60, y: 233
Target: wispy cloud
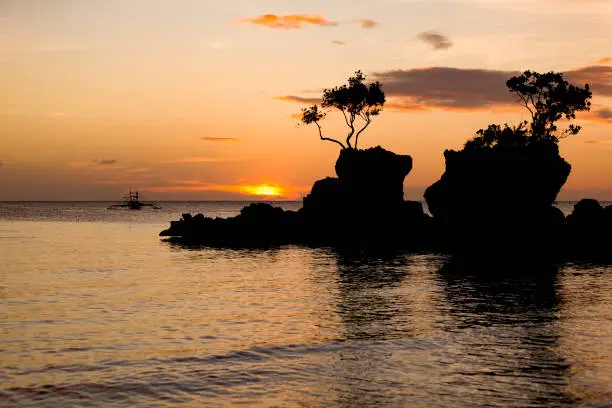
x: 603, y: 115
x: 220, y: 139
x: 298, y: 99
x: 367, y: 23
x: 398, y: 104
x: 290, y: 21
x: 94, y: 163
x: 597, y: 142
x: 338, y: 42
x: 606, y: 60
x: 200, y: 160
x: 105, y: 162
x: 436, y: 40
x: 298, y: 21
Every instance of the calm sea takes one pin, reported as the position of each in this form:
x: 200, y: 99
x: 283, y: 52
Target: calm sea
x: 97, y: 310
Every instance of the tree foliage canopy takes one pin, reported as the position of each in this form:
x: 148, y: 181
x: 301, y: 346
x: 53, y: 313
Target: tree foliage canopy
x: 355, y: 100
x: 548, y: 98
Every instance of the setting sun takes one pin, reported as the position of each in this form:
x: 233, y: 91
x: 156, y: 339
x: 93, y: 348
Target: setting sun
x: 264, y: 190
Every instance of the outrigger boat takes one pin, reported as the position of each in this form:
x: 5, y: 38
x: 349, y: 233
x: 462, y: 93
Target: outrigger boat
x: 132, y: 202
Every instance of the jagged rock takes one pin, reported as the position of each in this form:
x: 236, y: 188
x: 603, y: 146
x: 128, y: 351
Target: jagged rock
x: 258, y: 223
x: 261, y: 212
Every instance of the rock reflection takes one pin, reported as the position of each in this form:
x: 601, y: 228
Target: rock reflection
x: 371, y: 312
x: 380, y: 300
x: 490, y: 293
x: 505, y: 320
x: 367, y: 304
x: 199, y: 252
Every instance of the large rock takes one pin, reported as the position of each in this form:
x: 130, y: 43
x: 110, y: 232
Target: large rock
x: 499, y: 197
x: 589, y: 231
x: 374, y: 175
x: 368, y: 181
x: 365, y: 203
x: 587, y: 214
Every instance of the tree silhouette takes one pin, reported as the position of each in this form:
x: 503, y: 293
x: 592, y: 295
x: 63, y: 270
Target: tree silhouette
x: 496, y: 135
x: 355, y: 100
x: 548, y: 98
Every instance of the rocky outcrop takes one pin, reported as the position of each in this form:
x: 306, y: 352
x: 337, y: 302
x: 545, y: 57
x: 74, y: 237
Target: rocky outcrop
x: 488, y: 203
x: 258, y: 223
x: 500, y: 198
x: 368, y: 181
x: 589, y: 230
x: 364, y: 205
x: 373, y: 176
x: 587, y: 214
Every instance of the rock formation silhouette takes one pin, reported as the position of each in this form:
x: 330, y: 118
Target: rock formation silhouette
x: 258, y: 224
x: 589, y: 231
x: 363, y: 205
x: 495, y: 199
x: 492, y: 198
x: 497, y: 193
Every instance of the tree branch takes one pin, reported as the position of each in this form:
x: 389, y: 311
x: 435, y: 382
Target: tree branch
x: 368, y: 121
x: 345, y: 118
x: 328, y: 138
x: 352, y: 132
x: 525, y: 100
x: 534, y: 107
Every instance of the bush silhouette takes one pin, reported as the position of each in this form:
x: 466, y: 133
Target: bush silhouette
x: 548, y: 98
x: 355, y: 100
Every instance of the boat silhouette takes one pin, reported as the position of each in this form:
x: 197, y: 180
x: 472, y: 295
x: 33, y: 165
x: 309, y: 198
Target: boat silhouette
x: 132, y: 202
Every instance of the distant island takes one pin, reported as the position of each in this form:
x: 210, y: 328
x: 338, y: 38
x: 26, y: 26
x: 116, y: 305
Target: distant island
x: 495, y: 197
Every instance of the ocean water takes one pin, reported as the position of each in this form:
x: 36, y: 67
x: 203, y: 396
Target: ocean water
x: 97, y: 310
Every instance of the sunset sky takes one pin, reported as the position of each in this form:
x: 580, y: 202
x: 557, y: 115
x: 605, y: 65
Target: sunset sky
x: 196, y: 99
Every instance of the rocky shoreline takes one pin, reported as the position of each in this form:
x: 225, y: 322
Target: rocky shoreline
x: 495, y: 198
x: 475, y: 212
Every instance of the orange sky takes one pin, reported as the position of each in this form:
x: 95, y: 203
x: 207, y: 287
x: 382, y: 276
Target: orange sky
x: 187, y: 99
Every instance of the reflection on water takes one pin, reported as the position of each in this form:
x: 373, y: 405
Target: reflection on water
x: 101, y: 314
x: 367, y: 302
x: 511, y: 315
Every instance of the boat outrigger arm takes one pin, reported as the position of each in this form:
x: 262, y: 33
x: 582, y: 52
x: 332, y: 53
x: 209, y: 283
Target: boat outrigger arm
x: 132, y: 202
